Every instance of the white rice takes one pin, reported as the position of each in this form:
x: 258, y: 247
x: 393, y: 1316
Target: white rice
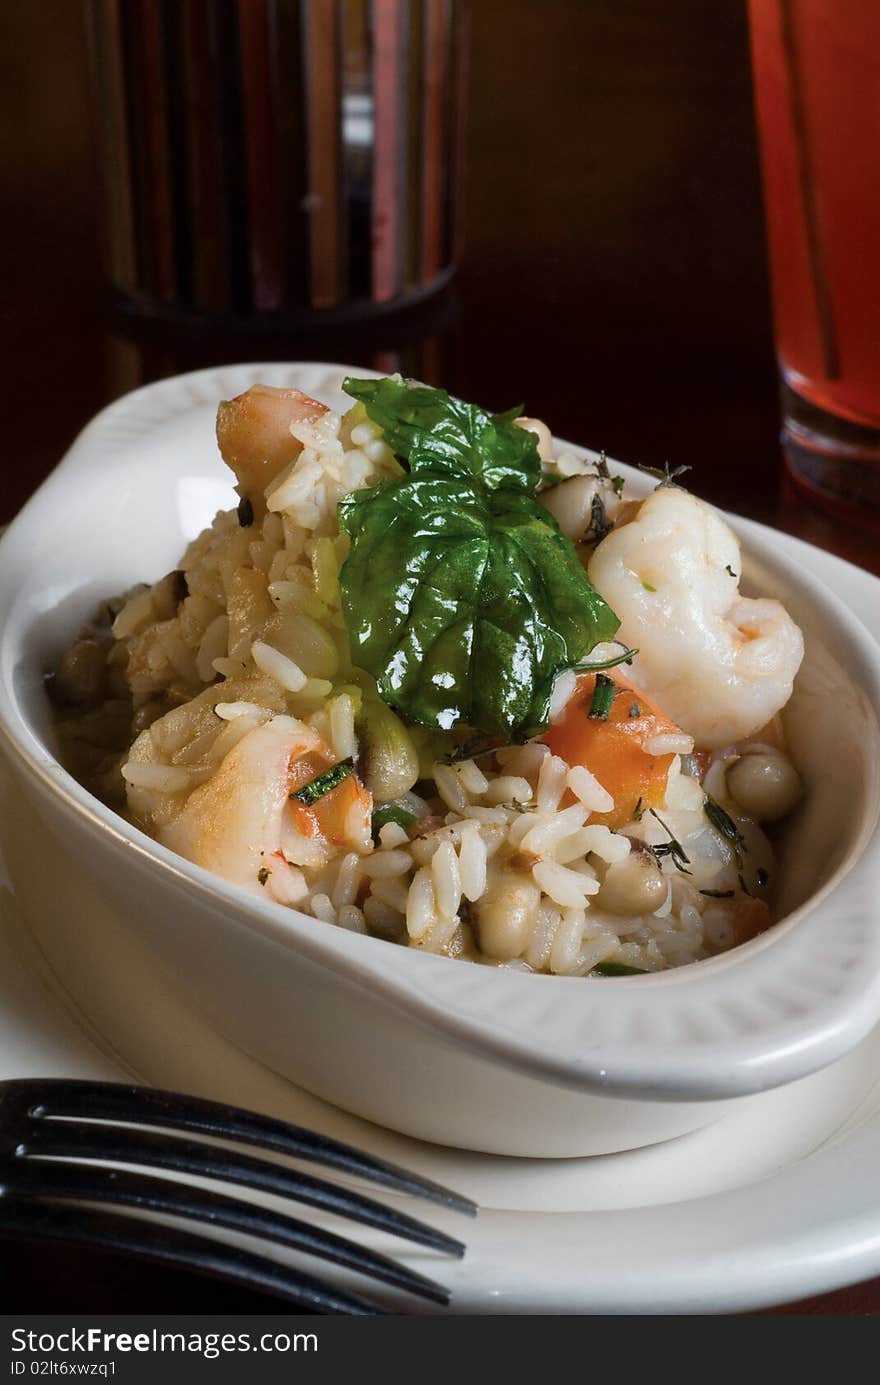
x: 587, y: 788
x: 278, y: 666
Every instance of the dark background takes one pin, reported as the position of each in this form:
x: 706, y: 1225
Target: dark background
x: 613, y: 278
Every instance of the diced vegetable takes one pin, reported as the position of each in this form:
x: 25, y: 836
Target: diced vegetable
x: 613, y: 749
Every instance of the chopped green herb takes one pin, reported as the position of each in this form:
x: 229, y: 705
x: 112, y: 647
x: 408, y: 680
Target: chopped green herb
x: 617, y: 969
x: 638, y: 812
x: 761, y: 877
x: 391, y: 812
x: 664, y: 475
x: 673, y: 848
x: 742, y: 884
x: 603, y: 696
x: 471, y: 749
x: 648, y: 587
x: 600, y: 469
x: 245, y: 512
x: 461, y: 595
x: 263, y: 874
x: 324, y: 783
x: 600, y: 525
x: 719, y: 894
x: 724, y: 823
x: 625, y: 658
x: 729, y: 569
x: 634, y: 709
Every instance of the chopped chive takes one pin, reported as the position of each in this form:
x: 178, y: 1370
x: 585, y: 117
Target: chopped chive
x: 729, y: 569
x: 719, y: 894
x: 638, y: 812
x: 618, y: 484
x: 625, y: 658
x: 742, y: 884
x: 634, y: 709
x: 391, y: 812
x: 617, y: 969
x: 325, y: 783
x: 245, y: 512
x: 603, y: 696
x: 648, y: 587
x: 263, y: 874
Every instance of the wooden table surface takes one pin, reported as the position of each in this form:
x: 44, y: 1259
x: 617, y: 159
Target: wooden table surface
x: 613, y: 281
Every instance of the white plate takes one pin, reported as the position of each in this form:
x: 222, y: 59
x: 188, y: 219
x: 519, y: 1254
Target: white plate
x: 775, y: 1201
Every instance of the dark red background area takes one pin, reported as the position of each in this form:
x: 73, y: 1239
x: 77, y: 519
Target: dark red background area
x: 613, y: 281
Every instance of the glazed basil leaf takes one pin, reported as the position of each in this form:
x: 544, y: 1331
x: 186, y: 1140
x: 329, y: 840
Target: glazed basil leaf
x: 461, y: 596
x: 427, y: 428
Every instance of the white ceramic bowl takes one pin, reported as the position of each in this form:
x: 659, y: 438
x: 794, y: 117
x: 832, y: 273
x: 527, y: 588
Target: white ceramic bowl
x: 465, y: 1055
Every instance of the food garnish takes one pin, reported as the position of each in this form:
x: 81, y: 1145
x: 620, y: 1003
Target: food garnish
x: 724, y: 823
x: 618, y: 969
x: 672, y: 848
x: 325, y: 783
x: 663, y: 474
x: 461, y: 595
x: 600, y: 524
x: 625, y: 658
x: 603, y: 695
x: 391, y: 812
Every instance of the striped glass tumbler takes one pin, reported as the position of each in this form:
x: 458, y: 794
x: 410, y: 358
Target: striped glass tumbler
x: 275, y: 161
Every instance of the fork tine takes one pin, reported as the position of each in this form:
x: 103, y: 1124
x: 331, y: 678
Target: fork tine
x: 46, y: 1179
x: 147, y: 1106
x: 71, y: 1139
x: 171, y: 1246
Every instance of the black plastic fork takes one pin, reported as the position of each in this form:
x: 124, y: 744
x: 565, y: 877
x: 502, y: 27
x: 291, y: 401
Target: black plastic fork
x: 49, y: 1125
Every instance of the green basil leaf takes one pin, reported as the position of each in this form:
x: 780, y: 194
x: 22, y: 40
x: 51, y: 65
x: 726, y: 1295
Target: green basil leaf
x: 429, y: 429
x: 461, y: 596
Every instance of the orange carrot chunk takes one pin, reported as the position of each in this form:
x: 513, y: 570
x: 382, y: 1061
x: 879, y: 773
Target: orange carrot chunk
x: 613, y: 749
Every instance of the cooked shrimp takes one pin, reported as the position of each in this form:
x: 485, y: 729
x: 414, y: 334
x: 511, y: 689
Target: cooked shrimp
x: 254, y: 436
x: 240, y: 822
x: 721, y: 665
x: 233, y: 824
